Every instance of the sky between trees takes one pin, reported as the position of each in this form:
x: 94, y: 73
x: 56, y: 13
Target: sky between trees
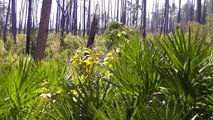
x: 94, y: 2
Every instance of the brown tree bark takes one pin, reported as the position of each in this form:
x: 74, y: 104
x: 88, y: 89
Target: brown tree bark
x: 43, y: 30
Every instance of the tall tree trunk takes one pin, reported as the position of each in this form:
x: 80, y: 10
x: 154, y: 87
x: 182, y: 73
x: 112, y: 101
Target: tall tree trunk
x: 62, y: 23
x: 14, y: 28
x: 179, y: 11
x: 57, y: 19
x: 131, y: 9
x: 118, y: 7
x: 203, y: 21
x: 192, y: 11
x: 43, y: 30
x: 21, y: 15
x: 29, y: 25
x: 123, y: 18
x: 199, y: 11
x: 67, y: 23
x: 5, y: 27
x: 136, y: 17
x: 80, y: 20
x: 71, y: 17
x: 75, y: 18
x: 144, y: 19
x: 84, y: 18
x: 93, y: 30
x: 164, y: 27
x: 88, y: 18
x: 212, y: 7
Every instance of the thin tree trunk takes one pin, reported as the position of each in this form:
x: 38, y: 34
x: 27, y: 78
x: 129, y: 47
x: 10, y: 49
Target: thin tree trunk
x: 136, y: 17
x: 192, y: 16
x: 5, y: 27
x: 84, y: 18
x: 43, y: 30
x: 57, y: 25
x: 203, y: 21
x: 179, y: 11
x: 29, y: 25
x: 75, y: 18
x: 123, y: 19
x: 14, y: 28
x: 164, y: 26
x: 131, y: 21
x: 144, y: 20
x: 21, y: 15
x: 88, y: 18
x: 62, y: 23
x: 199, y: 11
x: 118, y: 7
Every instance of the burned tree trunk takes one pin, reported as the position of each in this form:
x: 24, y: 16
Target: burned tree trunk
x: 203, y: 19
x: 93, y: 30
x: 88, y: 18
x: 123, y: 18
x: 29, y: 24
x: 144, y: 19
x: 164, y: 26
x: 199, y: 11
x: 84, y: 18
x: 62, y: 24
x: 179, y: 11
x: 75, y: 17
x: 57, y: 19
x: 14, y: 29
x: 117, y: 18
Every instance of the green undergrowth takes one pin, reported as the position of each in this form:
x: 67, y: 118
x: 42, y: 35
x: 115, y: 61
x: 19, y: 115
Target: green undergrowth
x: 162, y: 77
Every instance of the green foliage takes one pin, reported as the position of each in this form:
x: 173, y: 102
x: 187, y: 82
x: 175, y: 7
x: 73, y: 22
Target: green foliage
x: 87, y: 85
x: 186, y: 72
x: 114, y: 32
x: 25, y: 87
x: 164, y: 77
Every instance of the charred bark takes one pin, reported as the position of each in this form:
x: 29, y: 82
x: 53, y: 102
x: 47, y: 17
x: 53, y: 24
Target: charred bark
x: 144, y: 19
x: 93, y: 30
x: 199, y: 11
x: 29, y: 25
x: 14, y: 28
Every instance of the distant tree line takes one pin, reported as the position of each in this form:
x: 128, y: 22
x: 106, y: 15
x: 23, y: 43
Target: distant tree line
x: 76, y: 16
